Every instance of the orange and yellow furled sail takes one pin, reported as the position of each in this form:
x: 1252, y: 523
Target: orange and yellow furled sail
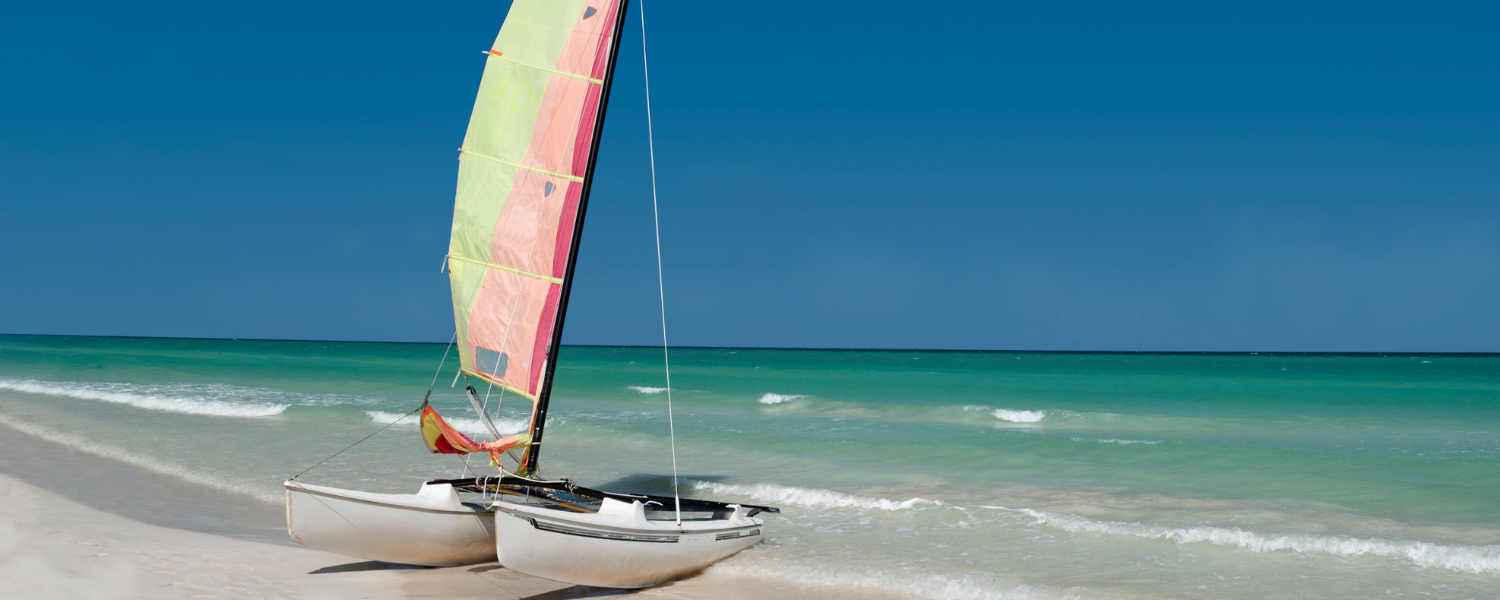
x: 442, y: 438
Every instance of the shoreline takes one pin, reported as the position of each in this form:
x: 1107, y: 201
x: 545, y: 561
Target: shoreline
x: 151, y: 536
x: 134, y: 492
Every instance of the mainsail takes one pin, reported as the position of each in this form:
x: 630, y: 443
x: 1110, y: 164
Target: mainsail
x: 523, y: 181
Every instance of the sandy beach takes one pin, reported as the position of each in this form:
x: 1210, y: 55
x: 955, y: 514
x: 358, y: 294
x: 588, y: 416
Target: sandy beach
x: 54, y: 547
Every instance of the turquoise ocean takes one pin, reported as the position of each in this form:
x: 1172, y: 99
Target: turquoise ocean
x: 940, y: 474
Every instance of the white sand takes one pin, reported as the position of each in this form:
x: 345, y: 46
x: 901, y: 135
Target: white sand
x: 53, y: 547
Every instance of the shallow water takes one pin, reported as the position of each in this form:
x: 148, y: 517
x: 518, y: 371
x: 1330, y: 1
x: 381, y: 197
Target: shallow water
x: 947, y: 475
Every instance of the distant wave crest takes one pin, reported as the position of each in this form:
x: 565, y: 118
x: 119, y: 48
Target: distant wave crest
x: 191, y: 399
x: 469, y: 426
x: 779, y: 398
x: 648, y: 390
x: 1470, y: 559
x: 1118, y: 441
x: 808, y: 497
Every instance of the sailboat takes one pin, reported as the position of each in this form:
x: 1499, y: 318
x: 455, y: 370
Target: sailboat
x: 525, y: 171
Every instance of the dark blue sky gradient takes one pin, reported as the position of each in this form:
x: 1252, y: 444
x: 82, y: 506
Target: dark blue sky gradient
x: 1253, y: 176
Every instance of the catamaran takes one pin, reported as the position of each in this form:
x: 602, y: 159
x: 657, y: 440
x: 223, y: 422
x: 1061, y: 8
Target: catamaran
x: 525, y: 171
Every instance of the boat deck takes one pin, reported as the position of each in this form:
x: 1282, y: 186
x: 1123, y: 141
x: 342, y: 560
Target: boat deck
x: 567, y: 496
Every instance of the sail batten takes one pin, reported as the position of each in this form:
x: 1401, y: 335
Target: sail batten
x: 498, y: 384
x: 524, y: 170
x: 501, y: 56
x: 506, y: 269
x: 510, y: 164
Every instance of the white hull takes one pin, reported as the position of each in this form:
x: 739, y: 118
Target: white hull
x: 429, y: 528
x: 615, y: 547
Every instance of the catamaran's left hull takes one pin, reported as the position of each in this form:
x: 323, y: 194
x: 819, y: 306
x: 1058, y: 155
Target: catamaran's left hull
x: 430, y: 528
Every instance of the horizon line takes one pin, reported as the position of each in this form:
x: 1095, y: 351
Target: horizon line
x: 816, y: 349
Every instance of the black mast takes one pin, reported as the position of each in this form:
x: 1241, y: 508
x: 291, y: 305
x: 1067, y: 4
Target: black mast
x: 529, y: 459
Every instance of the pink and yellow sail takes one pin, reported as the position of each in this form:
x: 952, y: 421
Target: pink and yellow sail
x: 521, y: 186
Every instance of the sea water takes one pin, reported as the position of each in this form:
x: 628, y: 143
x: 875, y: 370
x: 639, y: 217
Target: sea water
x: 939, y: 474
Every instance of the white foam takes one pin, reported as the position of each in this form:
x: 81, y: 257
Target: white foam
x: 1019, y: 416
x: 1471, y: 559
x: 1116, y: 441
x: 150, y: 464
x: 648, y: 390
x: 808, y: 497
x: 469, y: 426
x: 921, y: 585
x: 385, y: 418
x: 179, y: 398
x: 779, y: 398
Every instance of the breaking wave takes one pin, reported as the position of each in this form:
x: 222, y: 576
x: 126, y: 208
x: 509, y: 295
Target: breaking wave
x: 150, y: 464
x: 1470, y: 559
x: 191, y: 399
x: 779, y: 398
x: 469, y: 426
x: 921, y: 585
x: 648, y: 390
x: 807, y: 497
x: 1019, y: 416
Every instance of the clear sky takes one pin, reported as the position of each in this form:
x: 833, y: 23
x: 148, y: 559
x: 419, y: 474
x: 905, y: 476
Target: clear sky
x: 1064, y: 175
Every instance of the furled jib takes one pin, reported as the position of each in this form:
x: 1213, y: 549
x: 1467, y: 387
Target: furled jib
x: 442, y: 438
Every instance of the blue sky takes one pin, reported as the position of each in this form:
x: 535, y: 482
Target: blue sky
x: 1254, y: 176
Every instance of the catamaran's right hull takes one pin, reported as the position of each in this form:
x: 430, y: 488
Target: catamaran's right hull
x: 582, y: 550
x: 430, y: 528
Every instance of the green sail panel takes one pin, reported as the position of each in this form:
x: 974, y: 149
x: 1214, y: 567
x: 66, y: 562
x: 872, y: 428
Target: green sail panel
x: 520, y: 183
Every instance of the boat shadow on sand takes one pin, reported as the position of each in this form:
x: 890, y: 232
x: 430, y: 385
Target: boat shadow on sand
x: 455, y: 574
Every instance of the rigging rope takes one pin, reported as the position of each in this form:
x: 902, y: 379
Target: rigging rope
x: 440, y: 366
x: 346, y: 448
x: 660, y: 286
x: 425, y: 398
